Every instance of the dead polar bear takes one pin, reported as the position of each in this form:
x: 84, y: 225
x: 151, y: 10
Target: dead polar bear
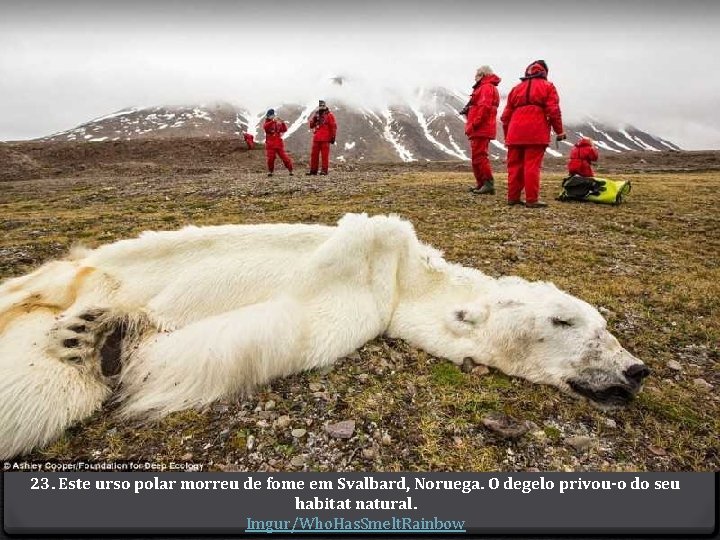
x: 179, y: 319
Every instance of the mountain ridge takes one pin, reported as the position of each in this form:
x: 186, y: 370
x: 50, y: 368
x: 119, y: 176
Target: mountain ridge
x: 427, y: 128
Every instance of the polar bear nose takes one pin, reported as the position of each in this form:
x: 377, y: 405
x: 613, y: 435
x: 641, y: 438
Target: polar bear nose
x: 636, y: 373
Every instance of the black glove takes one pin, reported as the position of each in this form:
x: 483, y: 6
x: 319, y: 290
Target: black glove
x: 464, y: 110
x: 560, y: 137
x: 332, y: 142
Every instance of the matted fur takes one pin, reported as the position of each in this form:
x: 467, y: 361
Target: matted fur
x: 214, y: 311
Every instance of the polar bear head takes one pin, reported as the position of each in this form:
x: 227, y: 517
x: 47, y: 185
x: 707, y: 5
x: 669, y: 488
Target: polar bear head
x: 535, y: 331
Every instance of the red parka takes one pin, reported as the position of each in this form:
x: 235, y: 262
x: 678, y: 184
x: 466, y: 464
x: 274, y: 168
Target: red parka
x: 274, y: 130
x: 482, y: 113
x: 533, y: 106
x: 581, y: 157
x: 324, y: 127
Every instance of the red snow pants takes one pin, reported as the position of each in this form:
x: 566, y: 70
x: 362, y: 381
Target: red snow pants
x: 480, y: 160
x: 320, y: 147
x: 523, y: 163
x: 272, y: 152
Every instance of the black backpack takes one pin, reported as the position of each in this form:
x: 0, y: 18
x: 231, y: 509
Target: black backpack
x: 599, y: 190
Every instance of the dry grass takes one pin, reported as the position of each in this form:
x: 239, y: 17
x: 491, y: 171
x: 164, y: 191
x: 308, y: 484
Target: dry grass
x: 652, y: 264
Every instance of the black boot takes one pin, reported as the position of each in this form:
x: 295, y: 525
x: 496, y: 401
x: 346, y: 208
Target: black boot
x: 488, y: 188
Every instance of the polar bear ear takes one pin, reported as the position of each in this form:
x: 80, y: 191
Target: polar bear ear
x: 464, y: 319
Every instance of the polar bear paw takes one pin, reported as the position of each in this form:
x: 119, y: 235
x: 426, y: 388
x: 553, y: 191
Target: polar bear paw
x: 78, y: 338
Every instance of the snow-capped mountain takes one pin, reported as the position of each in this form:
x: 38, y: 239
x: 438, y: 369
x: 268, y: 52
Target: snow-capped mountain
x: 427, y: 127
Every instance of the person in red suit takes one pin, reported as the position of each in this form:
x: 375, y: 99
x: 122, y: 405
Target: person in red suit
x: 581, y: 158
x: 324, y: 128
x: 533, y: 107
x: 481, y: 127
x: 274, y: 146
x: 249, y: 140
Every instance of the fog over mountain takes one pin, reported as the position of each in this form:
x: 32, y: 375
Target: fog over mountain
x: 645, y: 64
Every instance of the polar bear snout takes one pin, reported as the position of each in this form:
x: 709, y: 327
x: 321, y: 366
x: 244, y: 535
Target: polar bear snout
x: 609, y: 390
x: 636, y: 374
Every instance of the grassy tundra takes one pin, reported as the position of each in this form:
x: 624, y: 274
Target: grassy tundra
x: 651, y: 265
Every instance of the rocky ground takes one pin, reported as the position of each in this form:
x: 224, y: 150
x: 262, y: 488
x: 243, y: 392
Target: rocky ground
x: 650, y: 265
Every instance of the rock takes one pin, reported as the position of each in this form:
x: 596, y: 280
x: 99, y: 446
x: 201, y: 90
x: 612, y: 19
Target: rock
x: 363, y: 377
x: 368, y: 453
x: 457, y: 441
x: 250, y: 442
x: 297, y: 461
x: 580, y: 443
x: 341, y: 430
x: 467, y: 365
x: 316, y: 387
x: 609, y: 422
x: 506, y: 426
x: 480, y: 370
x: 298, y: 433
x: 674, y: 365
x: 657, y: 450
x: 270, y: 405
x: 283, y: 421
x: 703, y: 385
x: 386, y: 440
x: 187, y: 457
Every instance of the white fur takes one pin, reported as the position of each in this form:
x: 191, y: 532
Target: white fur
x: 215, y: 311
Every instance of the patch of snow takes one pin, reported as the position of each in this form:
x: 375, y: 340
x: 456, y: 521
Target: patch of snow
x: 98, y: 139
x: 639, y: 142
x: 605, y: 146
x: 340, y: 158
x: 349, y: 145
x: 199, y: 113
x: 124, y: 112
x: 609, y: 138
x: 553, y: 152
x: 403, y: 152
x: 454, y: 144
x: 498, y: 144
x: 665, y: 143
x: 162, y: 126
x: 424, y: 126
x: 301, y: 120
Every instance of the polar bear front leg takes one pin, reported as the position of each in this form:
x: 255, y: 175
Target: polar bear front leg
x: 215, y: 357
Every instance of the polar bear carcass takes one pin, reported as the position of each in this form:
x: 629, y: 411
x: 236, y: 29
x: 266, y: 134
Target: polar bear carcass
x: 175, y: 320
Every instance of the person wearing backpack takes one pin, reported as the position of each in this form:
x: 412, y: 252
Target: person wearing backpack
x: 533, y: 107
x: 582, y: 156
x: 481, y: 127
x: 274, y: 146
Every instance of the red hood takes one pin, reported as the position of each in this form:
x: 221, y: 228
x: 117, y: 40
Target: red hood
x: 583, y: 142
x: 490, y: 79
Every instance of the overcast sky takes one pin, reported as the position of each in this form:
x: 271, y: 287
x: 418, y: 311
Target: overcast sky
x: 650, y: 64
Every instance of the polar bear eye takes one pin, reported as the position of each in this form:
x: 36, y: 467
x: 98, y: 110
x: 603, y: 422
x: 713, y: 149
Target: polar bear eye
x: 557, y: 321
